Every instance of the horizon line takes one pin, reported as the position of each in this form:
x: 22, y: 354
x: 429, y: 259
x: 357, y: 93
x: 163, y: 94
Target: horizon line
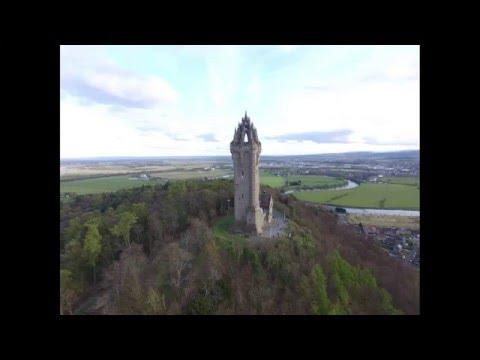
x: 198, y: 156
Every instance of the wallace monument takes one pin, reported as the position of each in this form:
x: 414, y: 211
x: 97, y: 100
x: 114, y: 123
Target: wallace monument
x: 252, y: 210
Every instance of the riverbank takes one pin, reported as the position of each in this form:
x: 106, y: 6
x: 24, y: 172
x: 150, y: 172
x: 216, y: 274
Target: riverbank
x: 386, y: 221
x: 376, y: 212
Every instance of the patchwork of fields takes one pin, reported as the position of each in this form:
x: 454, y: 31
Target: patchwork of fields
x: 191, y: 174
x: 398, y: 193
x: 102, y: 184
x: 367, y: 195
x: 114, y: 183
x: 83, y: 171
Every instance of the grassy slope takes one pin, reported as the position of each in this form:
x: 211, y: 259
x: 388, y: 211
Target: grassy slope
x: 222, y: 230
x: 368, y: 196
x: 223, y: 225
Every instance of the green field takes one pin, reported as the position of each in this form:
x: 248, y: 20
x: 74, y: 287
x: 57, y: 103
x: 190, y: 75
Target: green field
x: 102, y: 184
x: 316, y: 180
x: 306, y: 180
x: 191, y: 174
x: 271, y: 180
x: 114, y: 183
x: 388, y: 196
x: 403, y: 180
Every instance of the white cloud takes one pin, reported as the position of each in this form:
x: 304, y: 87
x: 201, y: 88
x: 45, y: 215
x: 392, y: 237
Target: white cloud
x: 223, y: 68
x: 92, y: 130
x: 117, y: 87
x: 376, y: 98
x: 151, y: 89
x: 387, y: 112
x: 87, y: 72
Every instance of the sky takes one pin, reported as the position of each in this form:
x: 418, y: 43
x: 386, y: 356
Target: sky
x: 187, y: 100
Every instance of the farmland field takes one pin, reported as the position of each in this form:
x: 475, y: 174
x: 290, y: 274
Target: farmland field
x: 316, y: 180
x: 102, y: 184
x: 403, y: 180
x: 388, y: 196
x: 191, y: 174
x: 86, y: 171
x: 305, y: 180
x: 83, y: 171
x: 114, y: 183
x: 271, y: 180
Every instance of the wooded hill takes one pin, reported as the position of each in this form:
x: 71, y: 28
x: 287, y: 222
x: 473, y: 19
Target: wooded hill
x: 167, y: 250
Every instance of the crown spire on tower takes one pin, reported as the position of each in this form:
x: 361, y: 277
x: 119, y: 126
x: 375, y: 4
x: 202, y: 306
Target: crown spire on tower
x: 245, y: 118
x: 246, y: 129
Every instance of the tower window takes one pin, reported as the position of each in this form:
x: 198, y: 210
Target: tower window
x: 242, y: 174
x: 242, y: 196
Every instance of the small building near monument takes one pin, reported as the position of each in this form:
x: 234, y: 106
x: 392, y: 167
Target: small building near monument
x: 266, y: 204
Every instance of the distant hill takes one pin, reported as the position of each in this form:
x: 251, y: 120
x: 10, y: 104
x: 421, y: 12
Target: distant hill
x: 347, y: 156
x: 350, y: 156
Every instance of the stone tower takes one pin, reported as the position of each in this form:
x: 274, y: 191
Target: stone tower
x: 245, y: 149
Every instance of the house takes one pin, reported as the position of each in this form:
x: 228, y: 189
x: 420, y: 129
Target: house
x: 371, y: 231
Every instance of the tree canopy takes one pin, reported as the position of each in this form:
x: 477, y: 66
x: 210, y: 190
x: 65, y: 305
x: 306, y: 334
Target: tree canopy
x: 168, y: 249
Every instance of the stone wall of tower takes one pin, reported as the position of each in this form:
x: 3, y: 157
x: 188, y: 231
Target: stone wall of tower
x: 245, y: 155
x: 241, y: 186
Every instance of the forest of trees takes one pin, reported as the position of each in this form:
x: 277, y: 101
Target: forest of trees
x: 158, y: 250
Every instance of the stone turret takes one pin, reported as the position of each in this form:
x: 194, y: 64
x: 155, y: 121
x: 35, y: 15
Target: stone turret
x: 245, y: 148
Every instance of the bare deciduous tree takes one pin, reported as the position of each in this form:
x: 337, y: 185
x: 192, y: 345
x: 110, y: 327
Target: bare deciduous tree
x: 178, y: 259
